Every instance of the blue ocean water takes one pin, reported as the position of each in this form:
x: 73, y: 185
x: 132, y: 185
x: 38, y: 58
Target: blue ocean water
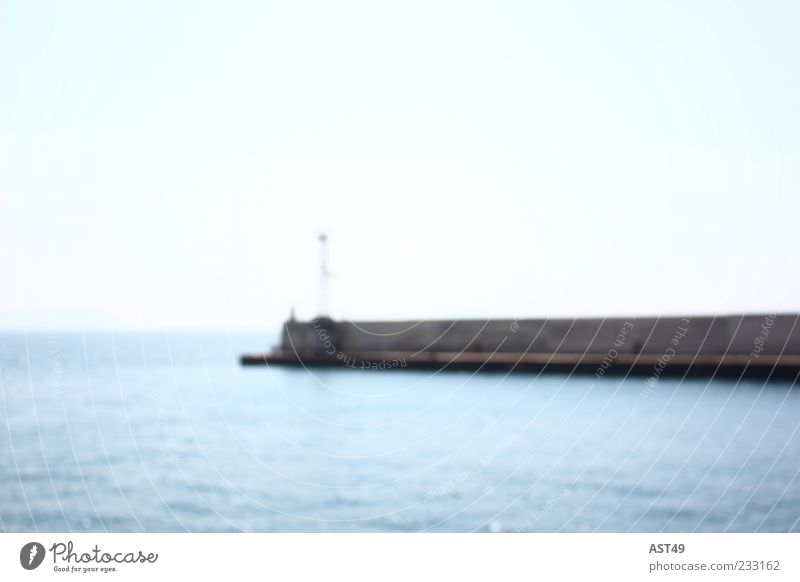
x: 166, y: 432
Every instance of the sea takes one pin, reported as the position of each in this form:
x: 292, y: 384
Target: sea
x: 166, y: 432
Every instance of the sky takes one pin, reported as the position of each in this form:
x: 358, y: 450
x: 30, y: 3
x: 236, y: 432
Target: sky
x: 169, y: 165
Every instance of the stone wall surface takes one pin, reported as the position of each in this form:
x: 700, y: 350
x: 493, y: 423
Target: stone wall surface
x: 763, y: 334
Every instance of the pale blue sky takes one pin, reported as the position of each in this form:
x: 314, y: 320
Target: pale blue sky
x: 168, y: 164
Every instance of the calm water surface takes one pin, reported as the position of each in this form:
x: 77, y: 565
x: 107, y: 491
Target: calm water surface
x: 166, y: 432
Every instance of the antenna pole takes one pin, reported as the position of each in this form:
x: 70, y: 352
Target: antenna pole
x: 324, y: 274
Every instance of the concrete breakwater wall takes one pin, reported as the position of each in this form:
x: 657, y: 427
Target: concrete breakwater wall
x: 753, y: 345
x: 749, y: 335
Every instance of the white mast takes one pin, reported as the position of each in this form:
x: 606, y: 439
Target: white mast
x: 324, y: 276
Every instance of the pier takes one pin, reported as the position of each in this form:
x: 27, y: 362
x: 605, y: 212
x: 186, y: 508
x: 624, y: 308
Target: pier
x: 763, y: 346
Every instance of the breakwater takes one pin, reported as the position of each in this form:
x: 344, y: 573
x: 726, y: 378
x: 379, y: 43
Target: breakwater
x: 751, y: 345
